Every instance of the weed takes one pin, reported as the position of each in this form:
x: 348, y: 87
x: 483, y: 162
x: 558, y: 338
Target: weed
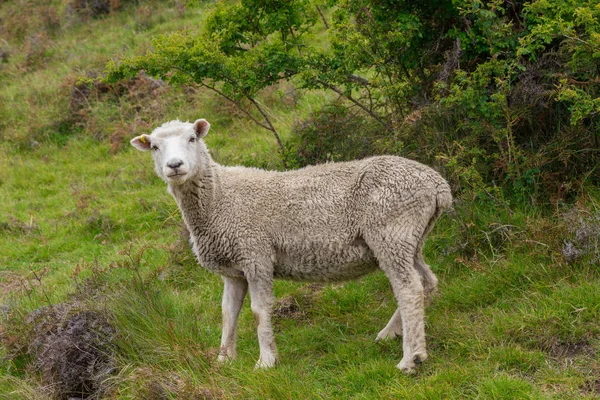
x: 156, y: 385
x: 50, y: 20
x: 144, y: 17
x: 69, y: 344
x: 119, y: 138
x: 179, y: 251
x: 9, y: 281
x: 484, y: 224
x: 4, y: 53
x: 40, y: 18
x: 137, y: 98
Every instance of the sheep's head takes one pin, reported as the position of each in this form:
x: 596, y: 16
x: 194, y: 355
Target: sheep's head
x: 178, y: 149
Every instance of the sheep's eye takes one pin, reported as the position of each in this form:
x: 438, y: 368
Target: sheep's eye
x: 192, y: 139
x: 154, y: 147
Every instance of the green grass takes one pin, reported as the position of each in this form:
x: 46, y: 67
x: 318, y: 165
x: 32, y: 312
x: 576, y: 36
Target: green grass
x: 80, y: 217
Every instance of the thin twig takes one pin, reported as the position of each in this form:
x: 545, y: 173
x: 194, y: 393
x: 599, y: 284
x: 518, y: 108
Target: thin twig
x: 322, y: 17
x: 41, y: 286
x: 536, y: 242
x: 357, y: 103
x: 237, y: 104
x: 578, y: 40
x: 272, y: 128
x: 359, y: 79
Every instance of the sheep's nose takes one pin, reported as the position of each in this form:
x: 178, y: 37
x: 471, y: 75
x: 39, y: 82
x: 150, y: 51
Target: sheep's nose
x: 175, y: 163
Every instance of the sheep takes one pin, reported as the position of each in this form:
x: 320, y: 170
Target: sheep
x: 330, y: 222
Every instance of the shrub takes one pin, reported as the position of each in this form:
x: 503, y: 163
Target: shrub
x: 73, y: 349
x: 70, y: 345
x: 512, y: 86
x: 333, y: 133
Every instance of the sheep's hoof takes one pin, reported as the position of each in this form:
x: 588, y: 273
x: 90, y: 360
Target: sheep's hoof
x: 226, y: 355
x: 408, y: 366
x: 222, y: 359
x: 408, y: 370
x: 267, y: 362
x: 386, y: 335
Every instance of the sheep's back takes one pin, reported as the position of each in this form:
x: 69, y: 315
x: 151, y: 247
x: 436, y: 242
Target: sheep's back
x: 330, y: 202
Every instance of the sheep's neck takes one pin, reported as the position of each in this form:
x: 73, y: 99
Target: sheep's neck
x: 195, y: 197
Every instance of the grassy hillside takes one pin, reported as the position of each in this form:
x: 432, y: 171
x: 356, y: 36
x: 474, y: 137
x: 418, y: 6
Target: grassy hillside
x: 85, y: 225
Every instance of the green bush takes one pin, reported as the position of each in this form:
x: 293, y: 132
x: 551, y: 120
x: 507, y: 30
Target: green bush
x: 332, y: 133
x: 495, y: 93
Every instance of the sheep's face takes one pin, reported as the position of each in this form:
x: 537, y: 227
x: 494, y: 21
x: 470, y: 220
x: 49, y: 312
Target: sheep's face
x: 178, y: 149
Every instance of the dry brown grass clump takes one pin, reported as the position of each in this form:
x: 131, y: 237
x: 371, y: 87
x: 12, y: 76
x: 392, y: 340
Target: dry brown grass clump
x: 73, y: 348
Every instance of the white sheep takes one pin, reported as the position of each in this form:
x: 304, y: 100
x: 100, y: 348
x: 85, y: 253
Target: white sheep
x: 331, y: 222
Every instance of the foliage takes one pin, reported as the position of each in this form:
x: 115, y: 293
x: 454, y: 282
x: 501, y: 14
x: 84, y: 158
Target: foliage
x: 333, y: 133
x: 518, y: 103
x: 242, y: 49
x: 514, y: 82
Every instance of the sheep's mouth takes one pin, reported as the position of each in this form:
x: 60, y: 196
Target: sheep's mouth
x: 177, y: 176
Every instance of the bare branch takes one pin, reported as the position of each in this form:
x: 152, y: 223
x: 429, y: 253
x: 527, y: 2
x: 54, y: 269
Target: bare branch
x: 238, y: 105
x: 271, y: 127
x: 359, y: 79
x: 577, y: 40
x: 39, y: 279
x: 322, y: 17
x: 357, y: 103
x: 452, y: 62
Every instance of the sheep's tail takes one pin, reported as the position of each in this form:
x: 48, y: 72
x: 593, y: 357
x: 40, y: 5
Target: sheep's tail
x: 443, y: 198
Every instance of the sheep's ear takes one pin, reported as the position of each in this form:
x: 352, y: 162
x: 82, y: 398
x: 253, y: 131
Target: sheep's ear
x: 141, y: 142
x: 201, y: 127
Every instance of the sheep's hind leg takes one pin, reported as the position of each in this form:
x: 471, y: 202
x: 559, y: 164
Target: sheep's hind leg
x: 408, y: 290
x: 234, y: 292
x: 396, y: 259
x: 261, y: 297
x: 430, y: 281
x: 393, y: 327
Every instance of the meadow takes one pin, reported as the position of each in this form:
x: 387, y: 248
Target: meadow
x: 87, y: 226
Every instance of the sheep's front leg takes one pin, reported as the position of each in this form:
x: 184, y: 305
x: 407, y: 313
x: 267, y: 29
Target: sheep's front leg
x: 233, y: 297
x: 261, y: 297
